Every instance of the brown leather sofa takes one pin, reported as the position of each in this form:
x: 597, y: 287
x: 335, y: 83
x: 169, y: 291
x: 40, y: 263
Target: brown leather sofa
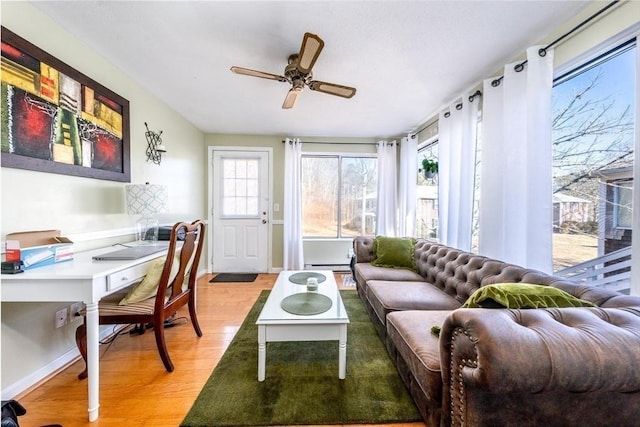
x: 502, y: 367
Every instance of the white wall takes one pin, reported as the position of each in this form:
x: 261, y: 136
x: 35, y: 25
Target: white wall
x: 83, y: 207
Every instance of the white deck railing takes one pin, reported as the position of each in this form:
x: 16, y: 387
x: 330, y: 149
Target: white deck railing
x: 616, y: 275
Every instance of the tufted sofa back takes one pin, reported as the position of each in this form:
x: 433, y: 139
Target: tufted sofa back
x: 460, y: 273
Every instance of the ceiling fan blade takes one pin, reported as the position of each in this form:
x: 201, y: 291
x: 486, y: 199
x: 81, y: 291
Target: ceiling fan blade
x: 261, y: 74
x: 332, y: 89
x: 292, y: 97
x: 309, y: 51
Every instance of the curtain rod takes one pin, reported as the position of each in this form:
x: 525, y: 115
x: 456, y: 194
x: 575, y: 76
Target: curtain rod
x: 459, y: 106
x: 543, y: 50
x: 334, y: 142
x: 413, y: 136
x: 473, y: 96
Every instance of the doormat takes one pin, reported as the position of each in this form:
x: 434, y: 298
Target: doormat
x: 234, y: 277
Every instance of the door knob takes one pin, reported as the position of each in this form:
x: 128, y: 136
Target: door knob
x: 264, y: 221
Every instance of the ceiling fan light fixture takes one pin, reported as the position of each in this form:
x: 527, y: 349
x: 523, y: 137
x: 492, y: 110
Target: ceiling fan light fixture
x: 298, y: 73
x: 298, y: 85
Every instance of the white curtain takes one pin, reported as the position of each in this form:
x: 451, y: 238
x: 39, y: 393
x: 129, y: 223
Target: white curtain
x: 386, y: 211
x: 293, y: 254
x: 456, y: 173
x: 408, y: 176
x: 515, y: 217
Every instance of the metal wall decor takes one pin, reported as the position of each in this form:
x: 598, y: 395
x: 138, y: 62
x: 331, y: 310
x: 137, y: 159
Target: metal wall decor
x: 155, y: 148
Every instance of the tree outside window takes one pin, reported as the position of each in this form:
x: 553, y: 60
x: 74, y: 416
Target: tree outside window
x: 339, y: 195
x: 593, y: 141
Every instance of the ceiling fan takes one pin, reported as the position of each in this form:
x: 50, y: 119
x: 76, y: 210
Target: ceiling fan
x: 298, y: 73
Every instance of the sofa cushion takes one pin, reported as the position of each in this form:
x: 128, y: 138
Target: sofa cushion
x: 387, y: 296
x: 409, y: 332
x: 395, y: 252
x: 523, y: 295
x: 368, y: 272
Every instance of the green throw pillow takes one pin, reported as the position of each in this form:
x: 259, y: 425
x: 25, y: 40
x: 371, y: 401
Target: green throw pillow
x: 435, y: 330
x: 395, y: 252
x: 148, y: 287
x: 522, y: 295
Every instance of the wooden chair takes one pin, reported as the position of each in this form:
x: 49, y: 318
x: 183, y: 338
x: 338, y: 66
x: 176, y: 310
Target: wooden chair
x: 175, y: 289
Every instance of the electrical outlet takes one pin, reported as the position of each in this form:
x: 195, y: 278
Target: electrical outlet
x: 276, y: 207
x: 61, y: 317
x: 74, y: 311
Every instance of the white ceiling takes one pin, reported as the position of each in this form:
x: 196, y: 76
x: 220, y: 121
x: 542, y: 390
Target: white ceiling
x: 406, y: 58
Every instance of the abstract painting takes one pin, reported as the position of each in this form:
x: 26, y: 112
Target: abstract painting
x: 56, y: 119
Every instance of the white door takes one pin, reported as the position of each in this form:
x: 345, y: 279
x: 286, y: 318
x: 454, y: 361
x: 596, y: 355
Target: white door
x: 240, y: 240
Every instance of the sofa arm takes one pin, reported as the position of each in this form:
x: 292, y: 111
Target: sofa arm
x: 363, y: 249
x: 572, y: 351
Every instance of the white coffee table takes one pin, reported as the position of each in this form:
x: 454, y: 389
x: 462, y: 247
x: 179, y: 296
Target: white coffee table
x: 277, y: 325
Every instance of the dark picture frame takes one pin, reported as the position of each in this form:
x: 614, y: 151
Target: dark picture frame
x: 56, y: 119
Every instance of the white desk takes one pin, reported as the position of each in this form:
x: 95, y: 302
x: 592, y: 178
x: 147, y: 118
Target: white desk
x: 81, y: 279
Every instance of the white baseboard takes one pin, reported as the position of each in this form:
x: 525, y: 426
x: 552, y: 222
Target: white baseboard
x: 25, y: 383
x: 11, y: 391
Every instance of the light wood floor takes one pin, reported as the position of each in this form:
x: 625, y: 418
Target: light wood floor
x: 135, y: 389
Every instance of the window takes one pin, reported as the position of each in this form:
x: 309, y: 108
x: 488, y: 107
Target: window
x: 593, y: 154
x: 427, y: 195
x: 240, y: 188
x: 339, y: 195
x: 622, y: 196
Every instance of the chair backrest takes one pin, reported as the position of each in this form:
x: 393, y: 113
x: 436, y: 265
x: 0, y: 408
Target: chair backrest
x: 175, y: 286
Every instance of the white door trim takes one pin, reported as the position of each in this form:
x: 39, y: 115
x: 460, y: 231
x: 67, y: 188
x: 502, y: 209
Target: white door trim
x: 210, y: 201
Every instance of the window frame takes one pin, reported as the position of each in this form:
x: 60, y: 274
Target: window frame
x: 223, y: 195
x: 427, y: 148
x: 626, y: 184
x: 340, y: 155
x: 616, y: 40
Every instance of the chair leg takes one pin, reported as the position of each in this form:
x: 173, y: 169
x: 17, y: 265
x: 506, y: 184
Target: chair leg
x: 158, y: 330
x: 193, y: 315
x: 81, y: 342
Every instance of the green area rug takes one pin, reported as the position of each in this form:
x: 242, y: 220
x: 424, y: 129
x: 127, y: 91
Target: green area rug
x: 302, y: 385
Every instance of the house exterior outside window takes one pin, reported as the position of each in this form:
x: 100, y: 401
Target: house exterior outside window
x: 622, y: 199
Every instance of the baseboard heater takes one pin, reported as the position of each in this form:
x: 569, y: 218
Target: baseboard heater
x: 332, y: 267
